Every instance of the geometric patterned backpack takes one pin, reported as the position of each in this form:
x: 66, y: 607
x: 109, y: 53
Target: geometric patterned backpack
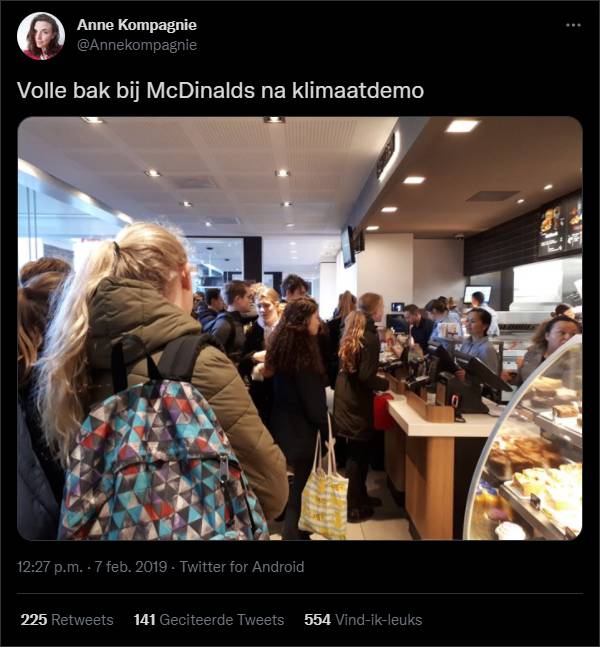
x: 153, y: 463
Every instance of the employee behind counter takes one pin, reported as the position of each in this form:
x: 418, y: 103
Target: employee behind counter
x: 476, y: 343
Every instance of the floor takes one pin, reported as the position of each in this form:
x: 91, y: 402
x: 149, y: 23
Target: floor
x: 386, y: 524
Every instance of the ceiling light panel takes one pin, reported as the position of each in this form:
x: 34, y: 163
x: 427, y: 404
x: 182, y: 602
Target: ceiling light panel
x: 462, y: 126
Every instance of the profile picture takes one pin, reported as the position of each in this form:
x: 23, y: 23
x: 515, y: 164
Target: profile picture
x: 41, y: 36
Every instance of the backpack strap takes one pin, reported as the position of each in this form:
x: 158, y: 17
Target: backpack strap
x: 179, y: 356
x: 119, y: 368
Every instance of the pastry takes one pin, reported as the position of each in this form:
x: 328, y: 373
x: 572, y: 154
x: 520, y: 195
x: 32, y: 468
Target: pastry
x: 541, y: 402
x: 562, y: 498
x: 546, y: 385
x: 565, y: 411
x: 552, y: 459
x: 531, y: 481
x: 566, y: 395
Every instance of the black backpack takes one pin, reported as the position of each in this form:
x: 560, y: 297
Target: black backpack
x: 210, y: 327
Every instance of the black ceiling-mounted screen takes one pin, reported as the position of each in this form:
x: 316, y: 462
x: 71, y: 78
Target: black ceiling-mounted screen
x: 347, y: 249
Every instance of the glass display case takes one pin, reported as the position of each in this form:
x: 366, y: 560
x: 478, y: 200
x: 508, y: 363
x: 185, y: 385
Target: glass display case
x: 527, y: 483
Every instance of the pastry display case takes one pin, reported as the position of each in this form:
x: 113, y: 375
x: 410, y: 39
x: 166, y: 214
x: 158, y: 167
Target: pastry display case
x: 527, y: 483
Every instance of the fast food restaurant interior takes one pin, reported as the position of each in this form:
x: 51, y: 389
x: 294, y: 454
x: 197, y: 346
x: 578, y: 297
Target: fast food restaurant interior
x: 485, y: 212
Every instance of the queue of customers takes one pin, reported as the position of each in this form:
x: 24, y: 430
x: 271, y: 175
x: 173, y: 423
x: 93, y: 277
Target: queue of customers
x: 264, y: 374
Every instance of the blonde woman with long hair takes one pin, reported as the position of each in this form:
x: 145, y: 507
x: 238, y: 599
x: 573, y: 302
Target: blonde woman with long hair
x: 353, y: 403
x: 141, y: 284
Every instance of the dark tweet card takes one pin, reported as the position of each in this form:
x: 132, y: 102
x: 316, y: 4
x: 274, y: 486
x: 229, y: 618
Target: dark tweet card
x: 315, y: 379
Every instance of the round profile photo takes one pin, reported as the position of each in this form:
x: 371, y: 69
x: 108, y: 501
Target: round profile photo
x: 41, y: 36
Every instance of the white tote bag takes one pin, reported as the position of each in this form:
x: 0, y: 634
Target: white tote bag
x: 325, y: 496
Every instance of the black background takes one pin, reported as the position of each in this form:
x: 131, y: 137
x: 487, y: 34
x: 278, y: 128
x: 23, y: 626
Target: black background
x: 509, y: 58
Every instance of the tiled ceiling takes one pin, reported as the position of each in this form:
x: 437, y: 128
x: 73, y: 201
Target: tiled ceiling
x: 329, y: 158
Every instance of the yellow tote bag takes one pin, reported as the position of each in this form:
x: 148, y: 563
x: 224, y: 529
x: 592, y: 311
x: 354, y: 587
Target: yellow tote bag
x: 325, y: 496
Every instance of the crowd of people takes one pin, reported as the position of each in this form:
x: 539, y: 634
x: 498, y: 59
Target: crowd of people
x: 265, y: 374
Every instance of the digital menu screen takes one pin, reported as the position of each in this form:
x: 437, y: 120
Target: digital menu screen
x: 574, y: 226
x: 561, y: 227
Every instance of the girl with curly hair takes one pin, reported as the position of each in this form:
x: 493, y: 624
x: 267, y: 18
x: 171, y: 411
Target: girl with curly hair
x: 299, y: 405
x: 353, y: 402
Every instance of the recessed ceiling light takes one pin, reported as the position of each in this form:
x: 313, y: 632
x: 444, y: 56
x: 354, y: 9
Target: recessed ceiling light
x: 290, y: 224
x: 462, y: 126
x: 414, y: 179
x: 372, y: 227
x: 548, y: 186
x: 287, y: 204
x: 282, y: 173
x: 389, y: 210
x: 93, y: 120
x: 152, y: 172
x: 520, y: 201
x: 185, y: 203
x: 208, y: 224
x: 274, y: 120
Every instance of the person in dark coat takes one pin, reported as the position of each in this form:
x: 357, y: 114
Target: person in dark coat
x: 346, y: 304
x: 207, y: 310
x: 299, y: 404
x: 252, y: 365
x: 40, y: 477
x: 353, y: 403
x: 228, y: 327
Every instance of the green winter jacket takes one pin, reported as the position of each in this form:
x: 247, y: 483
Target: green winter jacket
x: 128, y: 306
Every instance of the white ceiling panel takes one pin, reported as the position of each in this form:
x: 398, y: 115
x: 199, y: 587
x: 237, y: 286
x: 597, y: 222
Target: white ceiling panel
x: 320, y: 133
x: 99, y: 162
x: 144, y: 136
x: 263, y: 182
x: 203, y: 196
x: 242, y: 161
x: 268, y: 198
x: 312, y: 197
x: 180, y: 162
x: 314, y: 182
x: 317, y: 161
x: 234, y: 133
x: 65, y: 133
x: 136, y: 183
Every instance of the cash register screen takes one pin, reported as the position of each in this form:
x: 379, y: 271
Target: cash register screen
x: 441, y: 361
x: 475, y: 368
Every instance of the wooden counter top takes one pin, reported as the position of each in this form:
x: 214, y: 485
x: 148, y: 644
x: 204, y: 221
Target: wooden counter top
x: 477, y: 425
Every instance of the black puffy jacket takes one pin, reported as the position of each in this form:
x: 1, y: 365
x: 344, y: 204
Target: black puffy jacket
x: 37, y: 504
x: 353, y: 402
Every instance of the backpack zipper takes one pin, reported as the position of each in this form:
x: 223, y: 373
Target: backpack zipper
x: 223, y: 479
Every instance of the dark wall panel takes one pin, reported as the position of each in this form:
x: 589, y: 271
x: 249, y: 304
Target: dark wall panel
x: 253, y: 258
x: 512, y: 243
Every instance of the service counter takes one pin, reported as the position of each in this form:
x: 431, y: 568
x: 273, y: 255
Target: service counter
x: 432, y: 465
